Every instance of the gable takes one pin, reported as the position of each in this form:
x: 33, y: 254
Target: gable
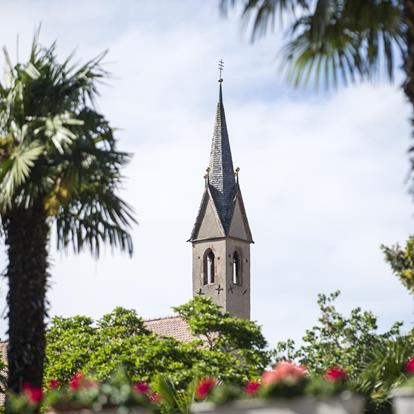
x: 209, y: 222
x: 239, y: 226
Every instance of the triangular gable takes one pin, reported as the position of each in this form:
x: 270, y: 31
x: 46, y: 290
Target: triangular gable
x: 208, y: 224
x: 239, y: 226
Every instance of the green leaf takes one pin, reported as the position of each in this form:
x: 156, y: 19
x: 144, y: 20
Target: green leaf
x: 15, y: 170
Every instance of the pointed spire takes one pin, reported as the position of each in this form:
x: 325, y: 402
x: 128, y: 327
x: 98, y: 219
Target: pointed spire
x: 221, y: 174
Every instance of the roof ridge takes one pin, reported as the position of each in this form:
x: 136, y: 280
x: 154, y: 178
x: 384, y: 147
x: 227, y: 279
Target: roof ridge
x: 163, y: 317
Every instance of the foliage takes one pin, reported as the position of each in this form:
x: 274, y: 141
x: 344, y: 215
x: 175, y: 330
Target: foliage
x: 56, y: 147
x: 401, y: 260
x: 175, y: 399
x: 79, y: 344
x: 233, y: 343
x: 28, y: 401
x: 339, y: 40
x: 386, y: 369
x: 337, y: 340
x: 3, y: 376
x: 374, y: 361
x: 286, y: 380
x: 82, y: 392
x: 234, y: 353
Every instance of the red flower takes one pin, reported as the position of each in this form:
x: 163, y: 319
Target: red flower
x: 155, y: 398
x: 141, y: 388
x: 77, y: 381
x: 34, y: 394
x: 53, y: 384
x: 409, y: 367
x: 252, y: 387
x: 336, y: 374
x: 204, y: 387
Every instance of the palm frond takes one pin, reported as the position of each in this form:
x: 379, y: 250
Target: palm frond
x: 48, y: 108
x: 355, y: 41
x: 15, y: 170
x: 260, y: 15
x: 386, y: 368
x: 94, y: 220
x: 337, y: 41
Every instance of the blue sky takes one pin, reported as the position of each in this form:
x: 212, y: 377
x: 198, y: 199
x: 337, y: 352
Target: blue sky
x: 322, y: 174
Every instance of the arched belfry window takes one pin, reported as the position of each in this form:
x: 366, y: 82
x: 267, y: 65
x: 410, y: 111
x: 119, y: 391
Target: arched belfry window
x: 209, y: 265
x: 236, y: 276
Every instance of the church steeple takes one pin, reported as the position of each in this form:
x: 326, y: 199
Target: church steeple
x: 221, y: 172
x: 221, y: 235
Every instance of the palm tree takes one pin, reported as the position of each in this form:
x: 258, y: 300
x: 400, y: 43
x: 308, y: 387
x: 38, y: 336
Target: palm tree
x: 338, y: 41
x: 59, y: 170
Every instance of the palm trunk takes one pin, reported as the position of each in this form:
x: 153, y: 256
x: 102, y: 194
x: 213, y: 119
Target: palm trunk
x: 409, y: 64
x: 27, y: 239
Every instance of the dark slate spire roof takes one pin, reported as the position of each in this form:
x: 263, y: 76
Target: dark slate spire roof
x: 221, y: 178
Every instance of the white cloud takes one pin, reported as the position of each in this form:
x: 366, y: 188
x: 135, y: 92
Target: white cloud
x: 322, y: 175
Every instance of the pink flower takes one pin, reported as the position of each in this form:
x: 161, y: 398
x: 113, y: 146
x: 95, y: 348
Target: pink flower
x: 409, y: 367
x: 284, y: 371
x: 155, y: 398
x: 204, y: 387
x: 336, y: 374
x: 252, y: 387
x: 77, y: 381
x: 34, y: 394
x: 141, y: 388
x: 53, y: 384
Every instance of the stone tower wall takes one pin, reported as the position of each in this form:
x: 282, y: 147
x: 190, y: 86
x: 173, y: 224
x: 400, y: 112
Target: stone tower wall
x: 238, y: 296
x: 234, y: 299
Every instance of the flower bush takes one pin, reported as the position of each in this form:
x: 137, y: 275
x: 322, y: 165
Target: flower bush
x: 204, y: 388
x: 27, y: 402
x: 336, y: 374
x: 286, y: 380
x: 82, y: 392
x: 252, y: 388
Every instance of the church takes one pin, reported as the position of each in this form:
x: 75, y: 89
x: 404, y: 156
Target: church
x: 220, y: 238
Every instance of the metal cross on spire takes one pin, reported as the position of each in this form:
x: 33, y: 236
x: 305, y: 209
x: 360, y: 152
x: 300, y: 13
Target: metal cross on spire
x: 221, y: 68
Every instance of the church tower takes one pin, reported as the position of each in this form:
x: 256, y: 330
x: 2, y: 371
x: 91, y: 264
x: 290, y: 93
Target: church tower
x: 221, y: 235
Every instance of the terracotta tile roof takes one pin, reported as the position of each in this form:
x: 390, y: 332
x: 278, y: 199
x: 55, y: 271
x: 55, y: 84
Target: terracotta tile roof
x: 172, y: 326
